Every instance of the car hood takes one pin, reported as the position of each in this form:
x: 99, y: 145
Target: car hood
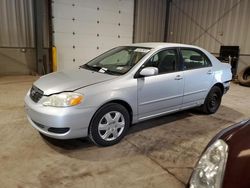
x: 70, y: 80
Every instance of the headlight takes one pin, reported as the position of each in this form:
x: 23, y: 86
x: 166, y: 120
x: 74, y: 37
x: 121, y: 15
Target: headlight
x: 209, y: 171
x: 64, y: 99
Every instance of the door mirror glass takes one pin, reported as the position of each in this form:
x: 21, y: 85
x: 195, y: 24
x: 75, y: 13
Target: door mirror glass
x: 149, y: 71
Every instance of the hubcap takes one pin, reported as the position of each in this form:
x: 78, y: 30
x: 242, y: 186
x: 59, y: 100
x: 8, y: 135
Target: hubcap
x: 213, y: 101
x: 111, y: 126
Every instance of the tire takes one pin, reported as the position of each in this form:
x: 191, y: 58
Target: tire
x: 244, y: 77
x: 212, y: 101
x: 109, y: 124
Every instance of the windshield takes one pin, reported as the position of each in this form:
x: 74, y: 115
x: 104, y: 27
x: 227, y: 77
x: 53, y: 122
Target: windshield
x: 118, y: 60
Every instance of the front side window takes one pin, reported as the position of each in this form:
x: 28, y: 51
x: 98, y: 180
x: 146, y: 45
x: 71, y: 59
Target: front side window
x: 118, y: 60
x: 165, y: 61
x: 194, y: 59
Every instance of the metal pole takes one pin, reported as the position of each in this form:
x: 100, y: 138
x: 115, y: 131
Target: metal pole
x: 39, y: 10
x: 167, y: 19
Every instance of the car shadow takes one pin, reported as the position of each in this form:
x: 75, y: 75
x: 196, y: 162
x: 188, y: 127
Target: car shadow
x: 69, y: 144
x: 74, y: 144
x: 178, y: 128
x: 158, y: 121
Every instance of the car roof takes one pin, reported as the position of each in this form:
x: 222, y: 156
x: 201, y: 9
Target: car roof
x: 162, y: 45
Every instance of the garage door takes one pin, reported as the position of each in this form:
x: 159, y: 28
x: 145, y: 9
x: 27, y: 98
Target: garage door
x: 83, y: 29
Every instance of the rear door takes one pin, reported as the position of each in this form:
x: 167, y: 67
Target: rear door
x: 161, y: 93
x: 198, y: 76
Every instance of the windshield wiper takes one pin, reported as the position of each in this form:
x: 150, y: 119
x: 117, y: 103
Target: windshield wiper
x: 97, y: 69
x: 113, y: 72
x: 86, y: 66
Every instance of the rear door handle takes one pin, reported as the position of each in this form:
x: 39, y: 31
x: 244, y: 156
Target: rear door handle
x: 178, y: 77
x: 210, y: 72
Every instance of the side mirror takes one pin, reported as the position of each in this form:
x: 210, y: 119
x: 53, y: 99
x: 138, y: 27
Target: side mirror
x: 149, y: 71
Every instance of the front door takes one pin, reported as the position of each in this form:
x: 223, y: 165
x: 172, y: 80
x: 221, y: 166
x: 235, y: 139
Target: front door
x: 161, y: 93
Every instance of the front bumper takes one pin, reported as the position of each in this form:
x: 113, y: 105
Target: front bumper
x: 226, y: 86
x: 73, y: 120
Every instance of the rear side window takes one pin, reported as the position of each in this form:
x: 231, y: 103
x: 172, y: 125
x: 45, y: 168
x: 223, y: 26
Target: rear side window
x: 194, y: 59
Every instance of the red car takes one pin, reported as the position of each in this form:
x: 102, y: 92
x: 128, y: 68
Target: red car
x: 225, y: 162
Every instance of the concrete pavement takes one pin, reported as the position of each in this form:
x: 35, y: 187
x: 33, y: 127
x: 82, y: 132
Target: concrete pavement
x: 156, y: 153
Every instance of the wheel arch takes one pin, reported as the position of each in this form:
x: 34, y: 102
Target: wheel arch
x: 220, y: 85
x: 117, y: 101
x: 125, y: 104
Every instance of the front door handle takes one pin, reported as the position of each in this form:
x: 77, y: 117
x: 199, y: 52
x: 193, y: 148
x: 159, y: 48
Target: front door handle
x: 178, y: 77
x: 210, y: 72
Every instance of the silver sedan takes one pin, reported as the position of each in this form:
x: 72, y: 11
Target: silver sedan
x: 123, y: 86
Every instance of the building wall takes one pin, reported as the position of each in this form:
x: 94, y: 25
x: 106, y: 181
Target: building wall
x: 17, y: 23
x: 150, y: 19
x: 17, y: 36
x: 84, y: 29
x: 212, y: 23
x: 14, y: 61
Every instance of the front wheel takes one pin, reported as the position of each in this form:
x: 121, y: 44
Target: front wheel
x: 109, y: 125
x: 212, y: 101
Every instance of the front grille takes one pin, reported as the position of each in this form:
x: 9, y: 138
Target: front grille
x: 36, y: 94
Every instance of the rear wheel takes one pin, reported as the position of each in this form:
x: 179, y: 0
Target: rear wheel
x: 109, y: 124
x: 212, y: 101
